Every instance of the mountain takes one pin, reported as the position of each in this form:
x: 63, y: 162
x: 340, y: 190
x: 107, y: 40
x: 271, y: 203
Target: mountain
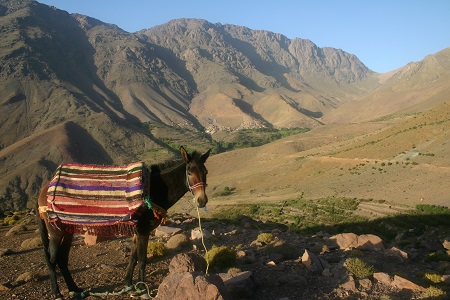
x: 76, y: 89
x: 404, y: 161
x: 414, y: 88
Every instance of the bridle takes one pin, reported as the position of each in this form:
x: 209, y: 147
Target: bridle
x: 193, y: 187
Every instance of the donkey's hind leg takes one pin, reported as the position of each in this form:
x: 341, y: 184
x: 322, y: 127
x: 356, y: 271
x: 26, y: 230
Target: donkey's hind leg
x: 63, y: 263
x: 132, y: 263
x: 51, y: 256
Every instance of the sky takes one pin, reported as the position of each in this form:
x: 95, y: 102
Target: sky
x: 384, y: 35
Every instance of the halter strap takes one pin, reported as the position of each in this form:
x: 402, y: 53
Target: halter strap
x: 193, y: 187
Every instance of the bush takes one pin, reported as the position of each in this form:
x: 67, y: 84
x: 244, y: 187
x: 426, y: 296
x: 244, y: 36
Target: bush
x: 359, y: 268
x: 156, y: 249
x: 265, y: 238
x: 435, y: 278
x: 437, y: 257
x: 433, y: 293
x: 221, y: 257
x: 225, y: 192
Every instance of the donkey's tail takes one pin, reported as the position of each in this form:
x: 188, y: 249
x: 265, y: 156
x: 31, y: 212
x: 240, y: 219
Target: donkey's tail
x: 42, y: 228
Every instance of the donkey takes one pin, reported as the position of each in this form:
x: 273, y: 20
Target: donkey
x: 168, y: 182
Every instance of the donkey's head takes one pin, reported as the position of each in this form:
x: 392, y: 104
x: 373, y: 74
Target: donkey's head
x: 196, y: 175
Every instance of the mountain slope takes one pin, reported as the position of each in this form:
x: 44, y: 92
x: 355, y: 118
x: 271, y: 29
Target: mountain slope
x: 247, y: 67
x: 73, y: 88
x: 405, y: 162
x: 413, y: 88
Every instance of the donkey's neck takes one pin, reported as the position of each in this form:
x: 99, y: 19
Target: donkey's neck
x: 168, y: 184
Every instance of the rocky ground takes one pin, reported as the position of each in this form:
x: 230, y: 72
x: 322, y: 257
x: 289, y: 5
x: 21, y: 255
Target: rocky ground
x: 287, y: 265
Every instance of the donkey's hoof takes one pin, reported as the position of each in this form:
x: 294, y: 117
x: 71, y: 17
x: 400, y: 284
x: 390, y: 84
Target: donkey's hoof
x: 79, y: 294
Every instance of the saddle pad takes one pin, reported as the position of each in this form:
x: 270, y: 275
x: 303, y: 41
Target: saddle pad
x: 92, y: 195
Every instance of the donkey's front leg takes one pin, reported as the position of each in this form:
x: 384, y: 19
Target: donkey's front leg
x: 142, y: 244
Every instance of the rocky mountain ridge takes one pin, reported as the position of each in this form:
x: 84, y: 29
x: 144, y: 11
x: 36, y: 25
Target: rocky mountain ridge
x: 73, y: 88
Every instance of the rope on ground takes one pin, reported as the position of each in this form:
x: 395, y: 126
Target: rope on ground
x: 203, y: 240
x: 125, y: 290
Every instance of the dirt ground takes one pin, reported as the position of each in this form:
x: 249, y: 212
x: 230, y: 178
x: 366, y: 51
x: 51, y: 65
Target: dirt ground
x: 101, y: 268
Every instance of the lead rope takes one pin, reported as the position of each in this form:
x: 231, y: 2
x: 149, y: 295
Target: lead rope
x: 203, y: 240
x: 121, y: 292
x: 198, y: 214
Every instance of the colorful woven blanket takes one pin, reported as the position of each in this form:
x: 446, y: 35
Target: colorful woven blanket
x: 102, y: 200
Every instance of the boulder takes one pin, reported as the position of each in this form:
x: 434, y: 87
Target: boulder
x: 383, y: 278
x: 191, y: 286
x: 347, y: 241
x: 196, y: 234
x: 239, y: 285
x: 166, y: 231
x: 31, y: 243
x: 396, y: 252
x: 312, y: 262
x: 16, y: 229
x: 187, y: 262
x: 27, y: 277
x: 446, y: 243
x: 177, y: 241
x: 405, y: 284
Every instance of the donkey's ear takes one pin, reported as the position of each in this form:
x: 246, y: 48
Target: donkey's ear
x: 205, y: 156
x: 184, y: 154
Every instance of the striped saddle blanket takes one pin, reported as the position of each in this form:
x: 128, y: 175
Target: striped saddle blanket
x: 102, y: 200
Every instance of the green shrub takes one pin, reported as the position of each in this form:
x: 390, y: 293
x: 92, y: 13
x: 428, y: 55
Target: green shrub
x: 156, y: 249
x: 221, y: 257
x: 433, y: 277
x: 437, y: 256
x: 265, y: 238
x: 225, y: 192
x: 359, y: 268
x: 433, y: 293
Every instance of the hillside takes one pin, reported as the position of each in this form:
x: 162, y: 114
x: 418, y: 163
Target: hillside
x: 403, y: 160
x: 76, y: 89
x: 414, y: 88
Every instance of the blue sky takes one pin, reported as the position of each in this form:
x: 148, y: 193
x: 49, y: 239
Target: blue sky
x: 384, y: 35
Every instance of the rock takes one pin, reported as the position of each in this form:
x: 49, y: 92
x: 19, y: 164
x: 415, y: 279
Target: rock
x: 27, y: 277
x: 312, y: 262
x: 191, y: 286
x: 166, y: 230
x: 187, y: 262
x: 91, y: 240
x: 445, y: 279
x: 394, y: 251
x: 246, y: 256
x: 350, y: 285
x: 365, y: 284
x: 177, y: 241
x: 31, y: 243
x: 383, y: 278
x: 402, y: 283
x: 196, y: 234
x: 327, y: 273
x: 5, y: 251
x: 108, y: 267
x: 239, y: 285
x: 446, y: 243
x: 4, y: 287
x: 347, y: 241
x: 16, y: 229
x: 281, y: 250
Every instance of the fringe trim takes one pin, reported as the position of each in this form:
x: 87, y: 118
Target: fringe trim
x: 119, y: 229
